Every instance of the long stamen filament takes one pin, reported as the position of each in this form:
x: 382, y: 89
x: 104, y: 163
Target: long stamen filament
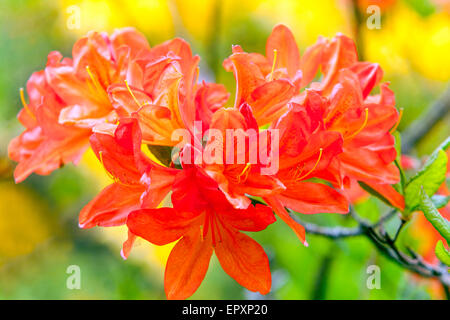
x: 25, y: 104
x: 275, y: 53
x: 398, y: 121
x: 366, y: 118
x: 94, y: 79
x: 315, y: 165
x: 132, y: 94
x: 244, y: 171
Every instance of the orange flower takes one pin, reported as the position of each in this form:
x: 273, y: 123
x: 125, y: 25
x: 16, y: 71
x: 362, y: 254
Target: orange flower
x: 204, y: 222
x: 98, y: 62
x: 267, y: 83
x: 68, y: 99
x: 45, y: 145
x: 137, y: 180
x: 238, y: 173
x: 306, y: 151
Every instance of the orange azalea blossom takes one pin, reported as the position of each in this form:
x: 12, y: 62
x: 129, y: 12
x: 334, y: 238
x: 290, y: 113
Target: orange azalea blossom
x: 306, y: 151
x: 203, y: 222
x: 267, y: 83
x: 167, y: 96
x: 98, y: 62
x: 69, y: 98
x: 250, y: 171
x: 137, y: 180
x: 45, y: 145
x: 364, y: 121
x: 117, y: 94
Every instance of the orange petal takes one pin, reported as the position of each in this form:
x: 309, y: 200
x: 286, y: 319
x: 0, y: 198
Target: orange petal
x: 339, y: 53
x: 243, y: 259
x: 388, y: 192
x: 254, y: 218
x: 269, y: 101
x: 111, y: 206
x: 308, y: 198
x: 367, y: 165
x: 279, y: 209
x: 128, y: 245
x: 159, y: 226
x: 288, y: 55
x: 310, y: 61
x: 187, y: 266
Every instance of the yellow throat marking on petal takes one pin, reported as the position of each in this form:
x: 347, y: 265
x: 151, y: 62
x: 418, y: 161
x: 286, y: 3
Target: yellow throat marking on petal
x: 100, y: 154
x: 98, y: 88
x: 366, y: 110
x: 25, y: 104
x: 398, y: 121
x: 94, y: 80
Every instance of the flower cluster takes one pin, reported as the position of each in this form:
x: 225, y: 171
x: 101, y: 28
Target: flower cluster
x: 311, y: 117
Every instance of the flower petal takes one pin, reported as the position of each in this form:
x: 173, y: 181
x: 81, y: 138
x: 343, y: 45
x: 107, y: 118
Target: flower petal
x: 279, y: 209
x: 308, y: 198
x: 111, y: 206
x: 159, y: 226
x: 288, y: 55
x: 187, y: 266
x: 243, y: 259
x: 254, y: 218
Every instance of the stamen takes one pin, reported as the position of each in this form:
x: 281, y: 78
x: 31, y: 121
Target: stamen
x: 25, y: 104
x: 363, y: 125
x: 244, y: 171
x: 94, y: 79
x: 131, y: 92
x: 315, y: 166
x: 275, y: 53
x: 398, y: 121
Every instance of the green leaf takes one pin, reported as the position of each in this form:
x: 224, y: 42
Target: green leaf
x: 432, y: 214
x: 162, y: 153
x: 430, y: 177
x: 440, y: 201
x: 442, y: 253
